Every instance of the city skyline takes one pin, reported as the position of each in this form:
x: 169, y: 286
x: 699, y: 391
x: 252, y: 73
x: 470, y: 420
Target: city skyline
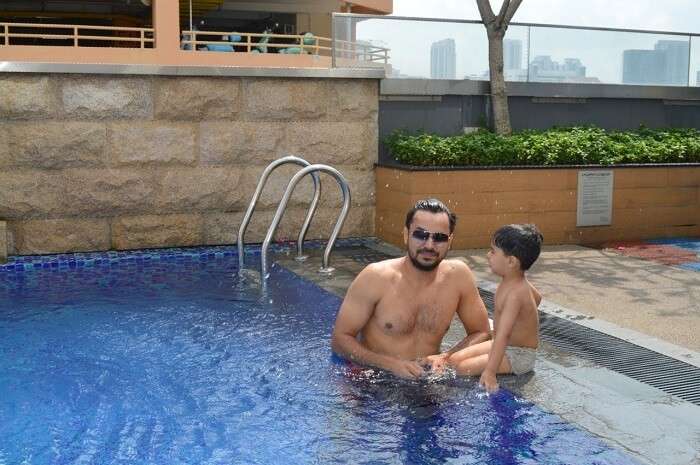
x: 542, y: 68
x: 601, y: 52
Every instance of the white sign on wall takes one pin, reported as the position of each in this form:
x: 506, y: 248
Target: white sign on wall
x: 594, y: 207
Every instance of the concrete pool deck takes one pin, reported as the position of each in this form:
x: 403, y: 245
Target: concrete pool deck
x: 654, y: 306
x: 657, y: 300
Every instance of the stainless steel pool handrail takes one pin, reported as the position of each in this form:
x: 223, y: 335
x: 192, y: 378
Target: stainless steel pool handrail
x: 256, y: 196
x: 345, y: 189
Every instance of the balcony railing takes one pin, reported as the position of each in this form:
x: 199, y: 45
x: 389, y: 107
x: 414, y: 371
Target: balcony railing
x: 225, y: 41
x: 75, y: 35
x: 73, y: 43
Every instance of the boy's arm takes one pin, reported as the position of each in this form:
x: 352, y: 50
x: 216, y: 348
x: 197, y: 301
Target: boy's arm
x: 355, y: 312
x: 535, y: 294
x: 503, y: 329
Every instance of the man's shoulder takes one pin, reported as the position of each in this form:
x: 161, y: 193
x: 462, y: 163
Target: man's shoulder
x: 384, y: 269
x: 456, y: 265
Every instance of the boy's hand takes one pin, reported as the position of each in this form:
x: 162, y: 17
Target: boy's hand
x: 488, y: 380
x: 437, y: 363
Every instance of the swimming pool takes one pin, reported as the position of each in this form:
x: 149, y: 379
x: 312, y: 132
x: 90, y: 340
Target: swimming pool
x: 165, y: 357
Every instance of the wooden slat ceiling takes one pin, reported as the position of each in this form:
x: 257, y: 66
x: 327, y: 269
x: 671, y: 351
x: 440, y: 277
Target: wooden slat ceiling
x: 199, y: 7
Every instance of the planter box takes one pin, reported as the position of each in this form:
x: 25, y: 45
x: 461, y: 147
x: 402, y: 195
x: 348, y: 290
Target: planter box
x: 648, y: 202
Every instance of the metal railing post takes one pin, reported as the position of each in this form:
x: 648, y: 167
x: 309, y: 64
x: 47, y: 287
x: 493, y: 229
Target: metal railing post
x: 283, y: 205
x: 690, y: 44
x: 529, y: 44
x: 256, y: 196
x: 333, y: 44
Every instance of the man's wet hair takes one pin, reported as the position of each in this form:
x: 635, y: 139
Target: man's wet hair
x: 522, y: 241
x: 433, y: 206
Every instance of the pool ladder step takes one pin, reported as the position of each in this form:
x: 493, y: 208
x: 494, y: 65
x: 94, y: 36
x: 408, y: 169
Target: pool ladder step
x: 307, y: 169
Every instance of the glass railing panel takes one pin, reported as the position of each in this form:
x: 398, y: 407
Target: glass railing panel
x: 694, y: 75
x: 449, y: 49
x: 609, y: 57
x: 414, y: 48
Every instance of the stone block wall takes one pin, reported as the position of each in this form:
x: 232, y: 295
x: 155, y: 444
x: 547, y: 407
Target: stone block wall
x: 100, y: 162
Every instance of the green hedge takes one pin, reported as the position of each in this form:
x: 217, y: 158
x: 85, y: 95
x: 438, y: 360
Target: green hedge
x: 559, y: 146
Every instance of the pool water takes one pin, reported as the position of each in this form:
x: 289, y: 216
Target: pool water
x: 169, y: 358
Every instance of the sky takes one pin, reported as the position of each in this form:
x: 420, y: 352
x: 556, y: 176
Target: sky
x: 600, y: 52
x: 668, y: 15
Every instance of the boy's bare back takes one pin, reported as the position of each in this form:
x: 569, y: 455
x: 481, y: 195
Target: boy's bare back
x: 523, y: 299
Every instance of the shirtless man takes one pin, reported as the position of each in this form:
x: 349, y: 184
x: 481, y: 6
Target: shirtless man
x: 397, y: 311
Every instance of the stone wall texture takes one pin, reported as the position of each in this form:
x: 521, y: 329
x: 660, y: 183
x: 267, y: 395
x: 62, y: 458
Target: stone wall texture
x: 100, y: 162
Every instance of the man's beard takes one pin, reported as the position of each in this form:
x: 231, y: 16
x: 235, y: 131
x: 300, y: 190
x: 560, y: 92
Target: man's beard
x: 423, y: 266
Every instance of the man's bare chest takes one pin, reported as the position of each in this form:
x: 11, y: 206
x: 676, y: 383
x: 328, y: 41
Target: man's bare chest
x: 403, y: 312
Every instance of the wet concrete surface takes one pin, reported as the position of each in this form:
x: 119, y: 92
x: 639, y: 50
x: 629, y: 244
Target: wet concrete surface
x: 654, y: 299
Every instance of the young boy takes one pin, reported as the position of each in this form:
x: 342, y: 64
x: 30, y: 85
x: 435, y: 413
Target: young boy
x: 515, y: 338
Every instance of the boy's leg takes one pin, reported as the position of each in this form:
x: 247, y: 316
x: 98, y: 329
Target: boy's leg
x: 470, y: 352
x: 475, y: 365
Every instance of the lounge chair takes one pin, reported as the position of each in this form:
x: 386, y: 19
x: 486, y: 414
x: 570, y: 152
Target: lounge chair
x: 308, y: 39
x: 225, y: 47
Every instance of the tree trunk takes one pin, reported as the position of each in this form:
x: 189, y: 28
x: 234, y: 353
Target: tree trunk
x: 496, y: 26
x: 499, y: 96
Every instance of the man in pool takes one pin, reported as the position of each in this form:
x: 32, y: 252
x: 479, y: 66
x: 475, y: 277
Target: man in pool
x: 397, y: 311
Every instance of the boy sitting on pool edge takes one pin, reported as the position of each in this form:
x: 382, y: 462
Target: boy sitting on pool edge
x: 513, y: 346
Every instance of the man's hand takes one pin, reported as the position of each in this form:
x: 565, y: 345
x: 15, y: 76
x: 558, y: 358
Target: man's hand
x: 437, y: 363
x: 408, y: 369
x: 488, y: 381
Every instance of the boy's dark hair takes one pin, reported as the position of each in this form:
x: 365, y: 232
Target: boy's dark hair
x: 433, y: 206
x: 522, y: 241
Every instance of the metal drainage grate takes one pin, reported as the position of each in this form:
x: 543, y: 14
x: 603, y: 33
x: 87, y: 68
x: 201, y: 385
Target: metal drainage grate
x: 660, y: 371
x: 364, y: 255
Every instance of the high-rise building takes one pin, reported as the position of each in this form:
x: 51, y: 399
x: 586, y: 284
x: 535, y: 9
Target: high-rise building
x: 676, y: 70
x: 443, y: 59
x: 643, y: 67
x: 512, y: 55
x: 666, y: 64
x: 697, y: 79
x: 513, y: 60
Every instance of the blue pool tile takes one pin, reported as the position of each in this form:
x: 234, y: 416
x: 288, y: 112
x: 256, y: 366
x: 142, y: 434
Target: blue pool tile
x: 682, y: 242
x: 694, y: 266
x: 172, y: 256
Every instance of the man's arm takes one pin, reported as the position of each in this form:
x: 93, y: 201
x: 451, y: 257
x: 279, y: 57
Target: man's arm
x: 355, y: 312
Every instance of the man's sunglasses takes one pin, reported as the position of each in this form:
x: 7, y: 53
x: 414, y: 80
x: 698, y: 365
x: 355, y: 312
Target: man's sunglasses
x: 423, y: 236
